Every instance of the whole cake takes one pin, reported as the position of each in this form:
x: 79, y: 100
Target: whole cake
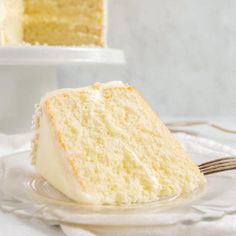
x: 53, y: 22
x: 103, y: 144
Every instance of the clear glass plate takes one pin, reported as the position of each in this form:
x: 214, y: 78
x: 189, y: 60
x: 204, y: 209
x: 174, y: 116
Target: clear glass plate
x: 25, y: 193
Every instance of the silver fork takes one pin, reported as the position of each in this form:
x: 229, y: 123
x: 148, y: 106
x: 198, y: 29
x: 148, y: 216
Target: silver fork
x: 218, y: 165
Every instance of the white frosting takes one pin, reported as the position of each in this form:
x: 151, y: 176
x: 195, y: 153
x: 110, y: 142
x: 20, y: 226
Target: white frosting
x: 2, y: 11
x: 94, y: 89
x: 2, y: 17
x: 11, y: 13
x: 53, y: 165
x: 35, y: 128
x: 113, y: 84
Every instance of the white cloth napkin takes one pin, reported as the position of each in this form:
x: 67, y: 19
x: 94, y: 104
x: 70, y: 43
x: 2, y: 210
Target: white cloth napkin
x: 225, y: 226
x: 10, y: 144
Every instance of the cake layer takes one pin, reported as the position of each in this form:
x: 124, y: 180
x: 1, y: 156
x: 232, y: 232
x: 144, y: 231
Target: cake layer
x: 63, y: 25
x: 66, y: 2
x: 54, y: 23
x: 54, y: 38
x: 55, y: 8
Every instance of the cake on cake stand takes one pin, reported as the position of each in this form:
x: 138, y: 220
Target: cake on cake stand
x: 28, y: 72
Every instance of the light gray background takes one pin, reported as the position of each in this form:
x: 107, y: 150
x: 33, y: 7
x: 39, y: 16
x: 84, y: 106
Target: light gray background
x: 180, y: 54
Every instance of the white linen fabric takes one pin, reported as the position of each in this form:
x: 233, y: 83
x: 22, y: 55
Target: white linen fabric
x: 10, y: 144
x: 10, y: 224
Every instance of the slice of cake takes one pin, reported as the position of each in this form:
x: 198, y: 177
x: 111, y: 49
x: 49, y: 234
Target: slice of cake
x: 104, y: 145
x: 53, y: 22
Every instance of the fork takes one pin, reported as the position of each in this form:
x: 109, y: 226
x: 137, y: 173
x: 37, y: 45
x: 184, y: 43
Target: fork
x: 180, y: 124
x: 218, y: 165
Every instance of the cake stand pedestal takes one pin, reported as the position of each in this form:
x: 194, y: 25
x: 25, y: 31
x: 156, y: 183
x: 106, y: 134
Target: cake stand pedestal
x: 28, y: 72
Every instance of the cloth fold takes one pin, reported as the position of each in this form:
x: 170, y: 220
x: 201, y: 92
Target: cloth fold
x: 10, y: 144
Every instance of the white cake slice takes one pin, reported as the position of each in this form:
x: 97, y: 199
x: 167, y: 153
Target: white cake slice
x: 104, y: 145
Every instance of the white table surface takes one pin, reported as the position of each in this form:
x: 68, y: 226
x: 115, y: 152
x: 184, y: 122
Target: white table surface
x: 11, y: 225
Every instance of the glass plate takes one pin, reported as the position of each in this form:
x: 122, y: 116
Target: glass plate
x: 25, y: 193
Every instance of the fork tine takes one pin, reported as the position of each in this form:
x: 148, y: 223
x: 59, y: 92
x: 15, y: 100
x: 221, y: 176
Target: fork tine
x: 218, y: 166
x: 211, y: 171
x: 221, y: 160
x: 220, y: 163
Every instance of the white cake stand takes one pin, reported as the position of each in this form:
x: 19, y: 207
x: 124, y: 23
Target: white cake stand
x: 28, y: 72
